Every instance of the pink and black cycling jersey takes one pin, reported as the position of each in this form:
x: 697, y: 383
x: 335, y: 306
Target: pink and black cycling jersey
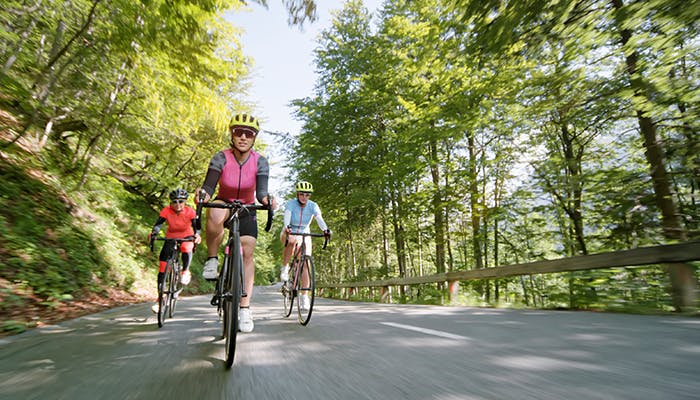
x: 244, y: 181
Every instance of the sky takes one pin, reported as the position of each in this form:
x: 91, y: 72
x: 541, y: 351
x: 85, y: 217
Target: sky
x: 283, y: 70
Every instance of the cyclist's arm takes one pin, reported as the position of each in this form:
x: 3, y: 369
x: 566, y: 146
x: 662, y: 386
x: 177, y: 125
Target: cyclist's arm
x: 157, y: 226
x: 195, y: 227
x: 287, y: 217
x: 319, y: 219
x: 261, y: 180
x: 216, y: 165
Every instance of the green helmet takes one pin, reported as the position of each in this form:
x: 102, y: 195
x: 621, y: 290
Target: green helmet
x: 244, y: 120
x: 303, y: 186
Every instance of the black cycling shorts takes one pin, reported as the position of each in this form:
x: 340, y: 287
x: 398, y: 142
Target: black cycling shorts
x: 248, y: 224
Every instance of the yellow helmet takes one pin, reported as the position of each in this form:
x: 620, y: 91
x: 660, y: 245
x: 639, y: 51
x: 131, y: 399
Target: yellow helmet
x: 244, y: 120
x: 303, y: 186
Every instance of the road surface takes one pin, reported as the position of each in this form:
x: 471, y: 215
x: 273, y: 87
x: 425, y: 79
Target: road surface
x: 357, y: 351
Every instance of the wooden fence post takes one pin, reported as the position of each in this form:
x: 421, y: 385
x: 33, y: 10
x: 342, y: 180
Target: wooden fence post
x: 453, y: 289
x: 386, y: 293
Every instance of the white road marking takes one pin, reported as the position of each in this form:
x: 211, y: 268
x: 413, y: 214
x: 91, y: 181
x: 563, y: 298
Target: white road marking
x: 426, y: 331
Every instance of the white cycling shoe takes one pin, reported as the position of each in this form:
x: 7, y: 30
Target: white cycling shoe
x: 245, y: 320
x: 305, y: 302
x: 186, y: 277
x: 211, y: 269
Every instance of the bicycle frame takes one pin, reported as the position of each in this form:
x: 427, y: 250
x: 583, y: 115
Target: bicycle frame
x: 230, y: 281
x: 302, y: 279
x: 170, y: 289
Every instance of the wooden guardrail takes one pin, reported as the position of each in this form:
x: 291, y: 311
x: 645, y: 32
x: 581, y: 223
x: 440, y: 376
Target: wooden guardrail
x: 663, y: 254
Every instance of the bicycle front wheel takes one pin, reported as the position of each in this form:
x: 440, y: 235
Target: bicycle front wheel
x: 161, y: 308
x: 288, y: 291
x: 232, y: 299
x: 174, y: 289
x: 165, y: 294
x: 306, y: 289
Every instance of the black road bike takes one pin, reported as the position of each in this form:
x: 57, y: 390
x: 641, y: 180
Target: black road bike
x: 301, y: 280
x: 230, y: 280
x: 171, y: 287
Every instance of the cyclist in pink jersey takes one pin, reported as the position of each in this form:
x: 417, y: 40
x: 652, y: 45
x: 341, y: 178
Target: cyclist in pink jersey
x: 241, y: 174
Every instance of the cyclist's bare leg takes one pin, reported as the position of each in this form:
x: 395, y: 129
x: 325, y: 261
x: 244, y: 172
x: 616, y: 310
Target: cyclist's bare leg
x: 289, y: 249
x: 308, y: 245
x: 215, y: 229
x: 248, y: 246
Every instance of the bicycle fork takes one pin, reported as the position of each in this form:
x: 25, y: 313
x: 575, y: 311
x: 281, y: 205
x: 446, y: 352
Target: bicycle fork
x: 227, y: 296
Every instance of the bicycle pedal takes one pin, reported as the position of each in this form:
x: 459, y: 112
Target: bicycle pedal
x: 214, y: 301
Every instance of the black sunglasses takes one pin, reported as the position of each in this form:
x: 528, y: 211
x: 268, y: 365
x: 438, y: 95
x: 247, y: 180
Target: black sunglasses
x: 239, y: 132
x: 178, y: 201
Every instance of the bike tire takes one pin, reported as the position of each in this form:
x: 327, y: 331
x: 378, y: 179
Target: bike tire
x: 164, y: 293
x: 232, y: 299
x: 307, y: 264
x: 220, y: 285
x: 174, y: 289
x: 288, y: 291
x: 161, y: 308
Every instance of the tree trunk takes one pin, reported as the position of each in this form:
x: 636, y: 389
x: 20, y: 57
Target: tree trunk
x: 682, y: 275
x: 474, y: 201
x: 438, y: 211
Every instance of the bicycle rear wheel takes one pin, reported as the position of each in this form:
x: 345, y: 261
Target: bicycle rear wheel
x: 232, y: 299
x: 221, y: 285
x: 304, y: 310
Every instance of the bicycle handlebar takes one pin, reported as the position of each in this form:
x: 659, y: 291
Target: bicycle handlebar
x: 325, y: 242
x: 177, y: 240
x: 235, y: 206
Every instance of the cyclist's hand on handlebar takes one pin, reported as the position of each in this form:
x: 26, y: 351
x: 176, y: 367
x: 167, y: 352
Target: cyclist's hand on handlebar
x: 288, y: 230
x: 201, y: 195
x: 197, y: 238
x: 327, y: 233
x: 270, y: 201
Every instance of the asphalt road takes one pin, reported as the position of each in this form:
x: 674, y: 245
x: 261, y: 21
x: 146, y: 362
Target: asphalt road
x: 357, y: 351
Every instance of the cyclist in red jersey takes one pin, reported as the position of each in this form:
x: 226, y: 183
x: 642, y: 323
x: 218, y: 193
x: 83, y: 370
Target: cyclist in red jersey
x: 181, y: 224
x: 241, y: 174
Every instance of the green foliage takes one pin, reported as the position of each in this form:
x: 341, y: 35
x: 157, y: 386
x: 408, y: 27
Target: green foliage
x: 473, y: 134
x: 107, y: 106
x: 442, y: 135
x: 42, y: 244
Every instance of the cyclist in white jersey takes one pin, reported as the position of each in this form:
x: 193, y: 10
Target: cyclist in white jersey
x: 298, y: 214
